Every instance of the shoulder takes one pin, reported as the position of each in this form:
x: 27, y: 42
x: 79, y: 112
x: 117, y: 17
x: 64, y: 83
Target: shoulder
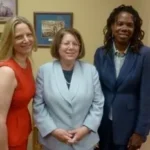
x: 6, y: 62
x: 7, y: 72
x: 46, y: 66
x: 84, y: 64
x: 144, y: 50
x: 89, y: 70
x: 9, y: 63
x: 100, y: 49
x: 87, y: 66
x: 45, y: 69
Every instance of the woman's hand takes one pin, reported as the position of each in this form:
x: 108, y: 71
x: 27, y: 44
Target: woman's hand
x: 135, y: 142
x: 78, y: 134
x: 96, y: 147
x: 62, y: 135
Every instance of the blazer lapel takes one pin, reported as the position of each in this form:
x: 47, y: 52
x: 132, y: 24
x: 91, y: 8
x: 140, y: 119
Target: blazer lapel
x: 108, y: 69
x: 61, y: 81
x: 127, y: 66
x: 76, y: 80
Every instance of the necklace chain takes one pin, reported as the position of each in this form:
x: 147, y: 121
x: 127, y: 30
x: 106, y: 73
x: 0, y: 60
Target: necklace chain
x: 68, y: 82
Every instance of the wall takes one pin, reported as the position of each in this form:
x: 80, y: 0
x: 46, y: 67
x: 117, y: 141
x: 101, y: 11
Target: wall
x: 89, y: 18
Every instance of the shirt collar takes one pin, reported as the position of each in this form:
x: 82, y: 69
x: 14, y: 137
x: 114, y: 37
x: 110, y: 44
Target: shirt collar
x: 116, y: 52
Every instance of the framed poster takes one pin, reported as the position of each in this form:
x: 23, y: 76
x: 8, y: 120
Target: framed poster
x: 47, y: 24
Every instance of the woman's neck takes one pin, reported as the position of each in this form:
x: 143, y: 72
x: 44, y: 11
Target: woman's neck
x: 67, y: 65
x: 22, y: 61
x: 121, y: 47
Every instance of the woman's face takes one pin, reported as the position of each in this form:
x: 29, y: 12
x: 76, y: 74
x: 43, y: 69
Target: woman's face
x: 23, y: 40
x: 123, y: 28
x: 69, y: 48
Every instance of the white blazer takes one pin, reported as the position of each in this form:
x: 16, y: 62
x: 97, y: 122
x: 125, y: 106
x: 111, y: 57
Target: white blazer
x: 56, y: 106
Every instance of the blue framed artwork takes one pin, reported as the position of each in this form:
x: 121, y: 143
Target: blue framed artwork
x: 48, y: 23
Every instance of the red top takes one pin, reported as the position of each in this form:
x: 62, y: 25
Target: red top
x: 18, y: 118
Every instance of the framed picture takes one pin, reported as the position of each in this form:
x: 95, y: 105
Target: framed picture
x: 8, y: 8
x: 47, y: 24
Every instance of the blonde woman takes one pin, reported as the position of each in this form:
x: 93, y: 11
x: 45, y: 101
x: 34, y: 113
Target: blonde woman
x: 16, y: 83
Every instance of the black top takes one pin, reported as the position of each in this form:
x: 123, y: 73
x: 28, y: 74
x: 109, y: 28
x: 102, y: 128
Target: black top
x: 68, y: 76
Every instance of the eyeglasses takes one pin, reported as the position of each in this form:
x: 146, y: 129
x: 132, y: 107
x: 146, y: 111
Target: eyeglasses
x: 67, y: 44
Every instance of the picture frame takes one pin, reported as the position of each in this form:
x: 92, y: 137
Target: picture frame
x: 8, y: 9
x: 48, y: 23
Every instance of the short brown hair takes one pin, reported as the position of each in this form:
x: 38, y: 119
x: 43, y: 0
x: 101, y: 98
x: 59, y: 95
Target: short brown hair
x: 58, y: 38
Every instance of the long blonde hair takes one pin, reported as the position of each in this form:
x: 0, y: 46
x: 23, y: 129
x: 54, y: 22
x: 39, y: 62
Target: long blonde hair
x: 7, y: 38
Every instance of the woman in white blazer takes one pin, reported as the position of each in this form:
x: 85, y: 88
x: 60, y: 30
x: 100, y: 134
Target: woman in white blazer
x: 68, y: 105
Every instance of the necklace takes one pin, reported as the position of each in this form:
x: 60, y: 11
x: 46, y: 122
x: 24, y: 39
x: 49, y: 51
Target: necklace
x: 68, y: 82
x: 68, y: 75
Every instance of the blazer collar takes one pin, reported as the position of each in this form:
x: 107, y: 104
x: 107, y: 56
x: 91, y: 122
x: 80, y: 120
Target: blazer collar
x: 111, y: 71
x: 115, y: 50
x: 127, y: 66
x: 67, y: 94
